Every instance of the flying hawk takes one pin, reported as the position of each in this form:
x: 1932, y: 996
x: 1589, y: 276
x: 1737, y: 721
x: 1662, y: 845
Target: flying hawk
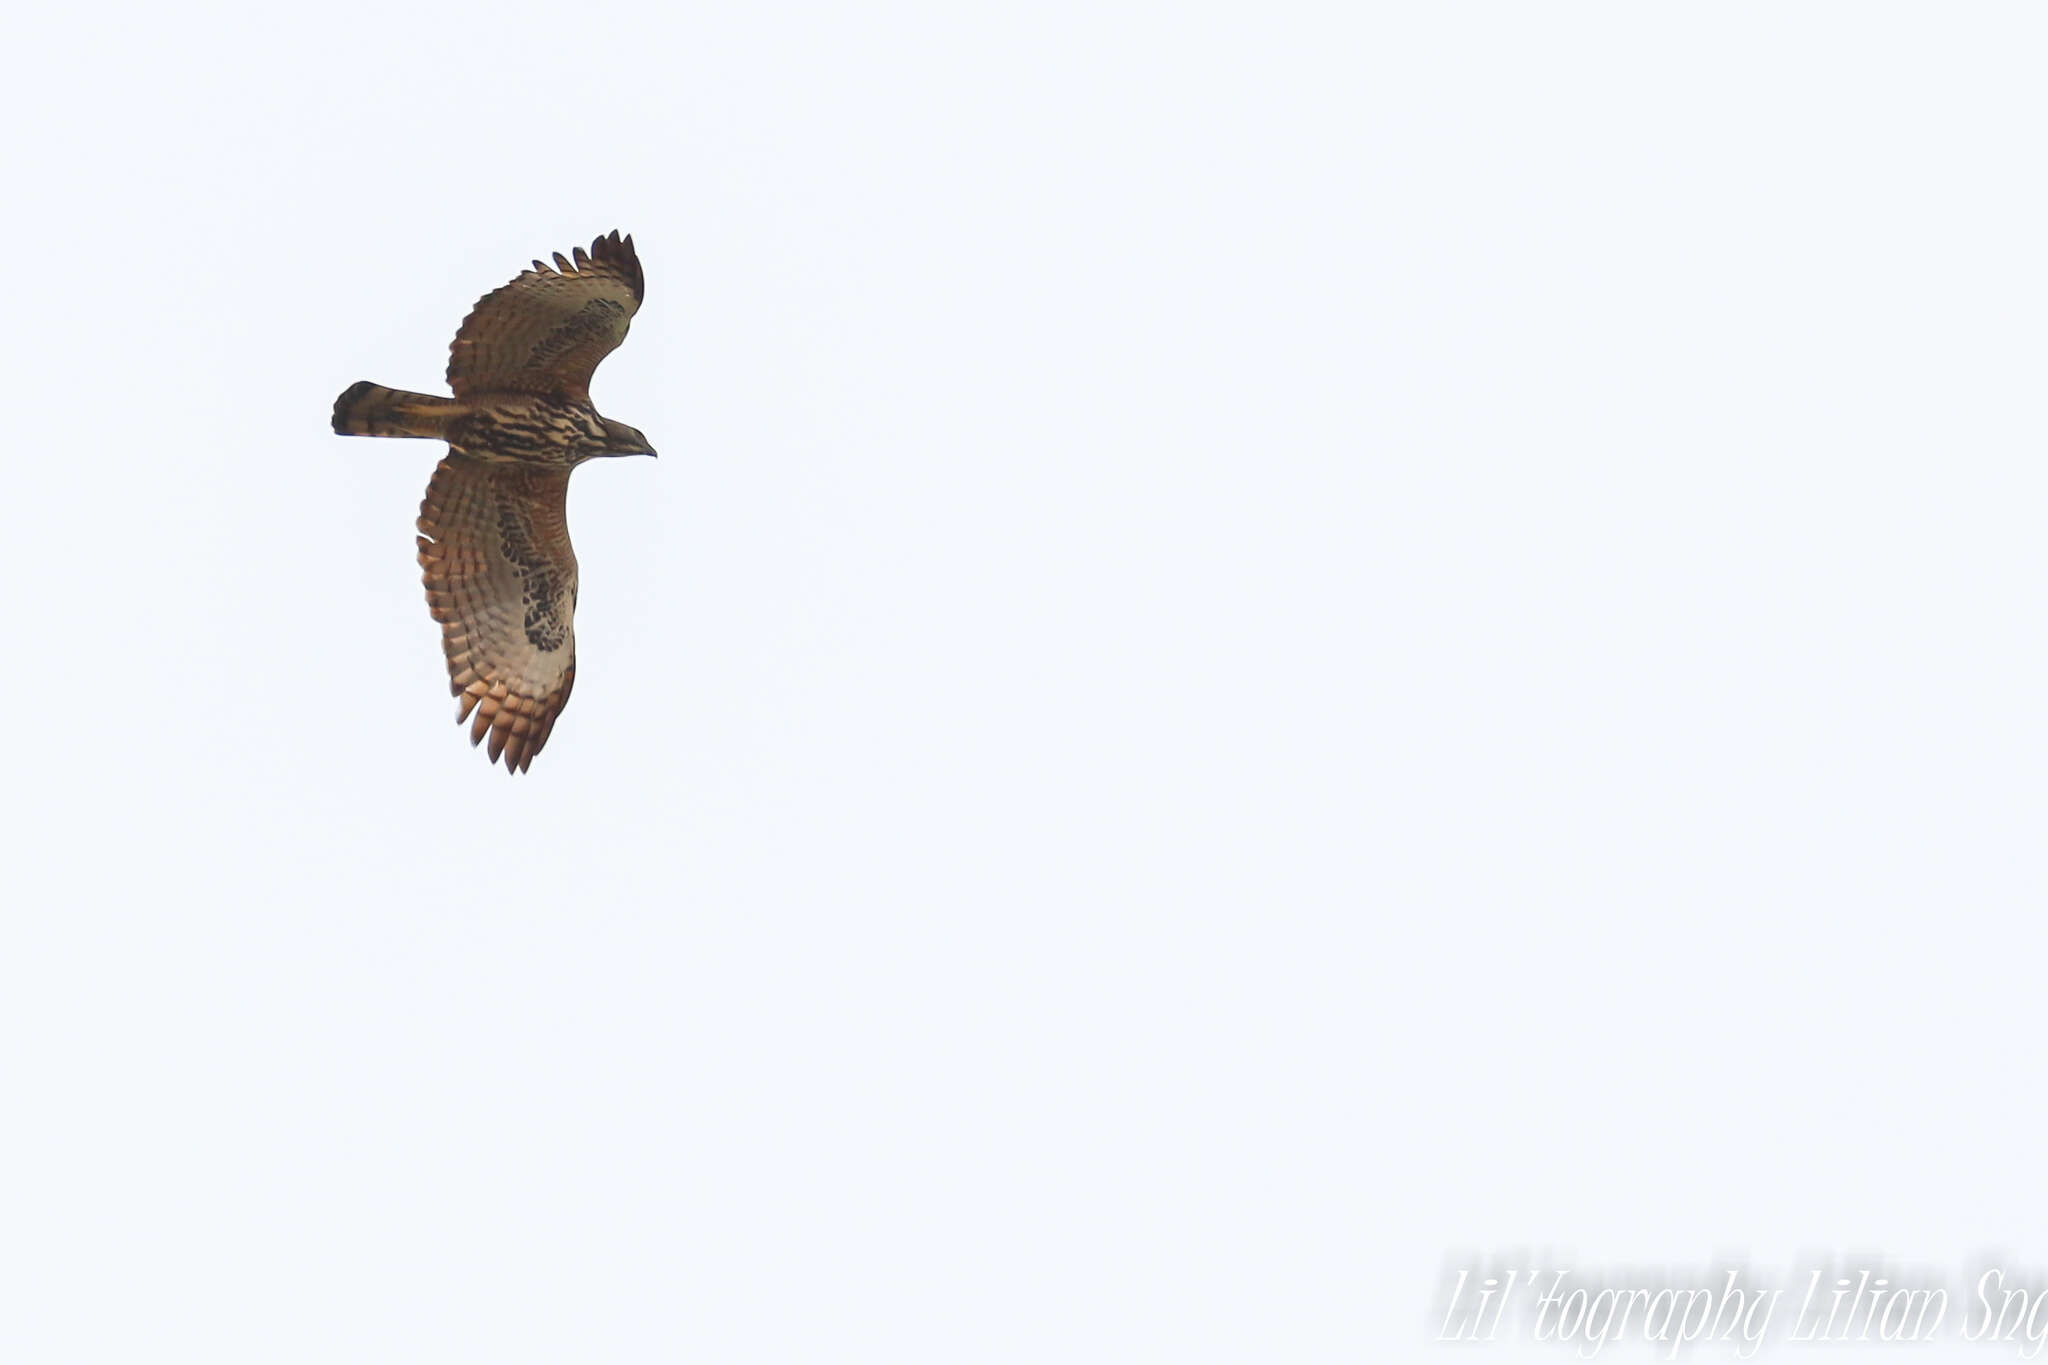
x: 494, y: 539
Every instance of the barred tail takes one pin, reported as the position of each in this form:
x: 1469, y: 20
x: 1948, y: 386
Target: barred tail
x: 367, y: 409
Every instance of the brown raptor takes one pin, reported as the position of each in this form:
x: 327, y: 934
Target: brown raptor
x: 494, y: 539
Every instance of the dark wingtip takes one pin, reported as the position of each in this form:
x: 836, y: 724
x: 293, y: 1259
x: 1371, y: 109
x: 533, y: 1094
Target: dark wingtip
x: 618, y: 252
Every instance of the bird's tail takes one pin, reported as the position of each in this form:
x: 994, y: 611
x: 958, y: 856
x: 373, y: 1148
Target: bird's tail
x: 367, y: 409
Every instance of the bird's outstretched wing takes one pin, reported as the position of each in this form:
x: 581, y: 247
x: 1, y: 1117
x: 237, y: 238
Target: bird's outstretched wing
x: 501, y: 580
x: 545, y: 332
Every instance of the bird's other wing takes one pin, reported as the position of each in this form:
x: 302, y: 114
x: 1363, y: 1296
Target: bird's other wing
x: 501, y: 580
x: 545, y: 332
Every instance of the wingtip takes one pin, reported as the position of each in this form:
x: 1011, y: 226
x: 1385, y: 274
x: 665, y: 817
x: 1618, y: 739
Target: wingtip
x: 617, y: 251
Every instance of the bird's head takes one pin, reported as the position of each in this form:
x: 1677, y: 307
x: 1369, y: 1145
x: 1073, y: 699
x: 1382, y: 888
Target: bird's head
x: 621, y: 439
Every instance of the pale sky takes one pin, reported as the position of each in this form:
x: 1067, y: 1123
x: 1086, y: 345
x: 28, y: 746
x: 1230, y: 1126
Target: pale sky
x: 1270, y: 643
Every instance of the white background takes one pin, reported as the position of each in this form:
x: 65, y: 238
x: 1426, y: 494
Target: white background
x: 1270, y: 642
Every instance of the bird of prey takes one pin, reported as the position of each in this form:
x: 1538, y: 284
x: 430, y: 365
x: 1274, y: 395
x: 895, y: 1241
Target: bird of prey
x: 494, y: 541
